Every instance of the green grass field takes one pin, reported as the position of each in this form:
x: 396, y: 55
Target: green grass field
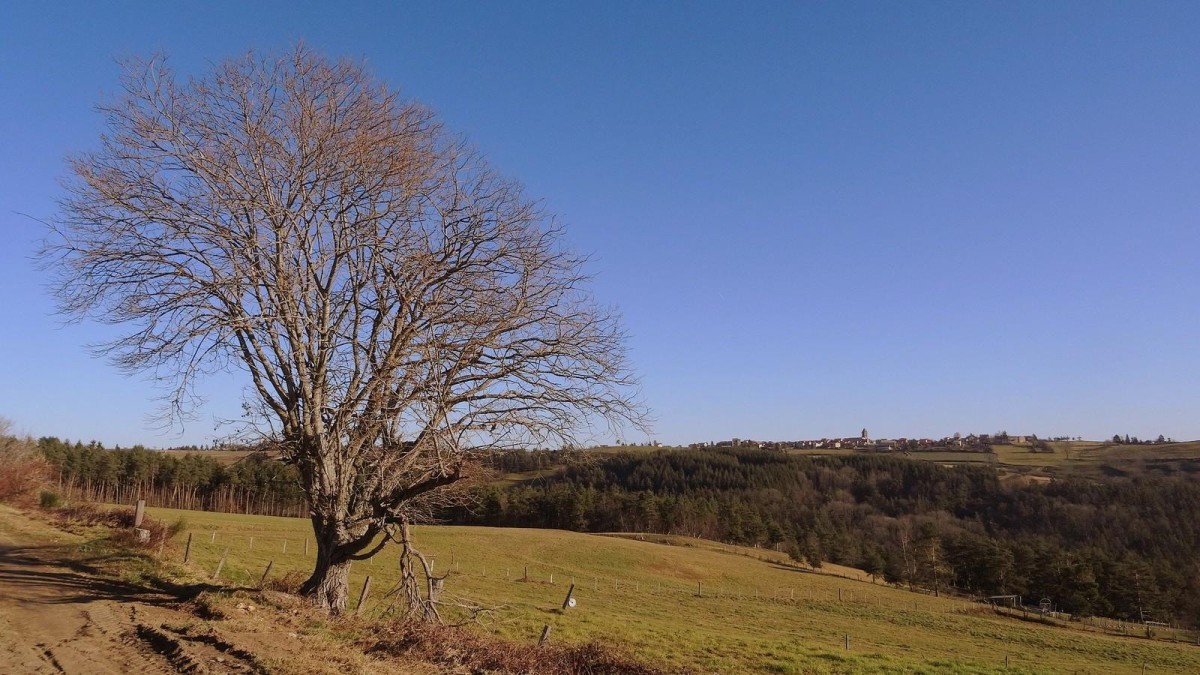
x: 821, y: 452
x: 701, y: 605
x: 1091, y: 454
x: 624, y: 449
x: 226, y: 457
x: 953, y: 457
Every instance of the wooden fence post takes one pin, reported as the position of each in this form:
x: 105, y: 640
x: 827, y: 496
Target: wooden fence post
x: 213, y: 539
x: 217, y: 574
x: 285, y: 546
x: 362, y: 597
x: 545, y: 635
x: 567, y: 600
x: 187, y: 552
x: 251, y: 544
x: 847, y: 642
x: 306, y: 546
x: 263, y: 581
x: 139, y: 513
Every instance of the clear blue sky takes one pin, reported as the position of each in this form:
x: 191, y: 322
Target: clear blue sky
x: 919, y: 217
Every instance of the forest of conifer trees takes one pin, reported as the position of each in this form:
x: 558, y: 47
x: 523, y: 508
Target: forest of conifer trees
x: 256, y: 484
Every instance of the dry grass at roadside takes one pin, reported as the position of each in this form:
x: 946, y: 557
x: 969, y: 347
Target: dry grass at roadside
x: 457, y: 648
x: 76, y: 516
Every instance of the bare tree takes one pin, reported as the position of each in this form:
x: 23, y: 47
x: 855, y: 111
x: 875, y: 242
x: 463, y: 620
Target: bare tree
x: 22, y: 467
x: 393, y: 301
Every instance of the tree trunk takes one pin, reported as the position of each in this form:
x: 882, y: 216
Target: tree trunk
x: 329, y: 585
x: 332, y: 588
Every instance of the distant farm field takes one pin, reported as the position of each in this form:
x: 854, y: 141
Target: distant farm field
x: 220, y: 456
x: 701, y: 605
x: 1090, y: 454
x: 821, y: 452
x: 952, y: 457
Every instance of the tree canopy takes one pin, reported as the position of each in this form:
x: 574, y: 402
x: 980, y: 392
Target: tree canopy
x: 394, y: 301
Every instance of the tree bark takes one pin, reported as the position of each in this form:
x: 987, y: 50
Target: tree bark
x: 332, y: 587
x: 329, y: 585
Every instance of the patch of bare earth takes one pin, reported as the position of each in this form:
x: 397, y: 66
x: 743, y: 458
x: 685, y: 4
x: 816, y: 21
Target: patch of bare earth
x: 57, y: 616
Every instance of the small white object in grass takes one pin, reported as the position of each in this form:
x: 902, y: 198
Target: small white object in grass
x: 571, y: 602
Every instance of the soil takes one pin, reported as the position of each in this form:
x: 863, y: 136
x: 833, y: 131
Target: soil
x: 62, y: 610
x: 56, y: 618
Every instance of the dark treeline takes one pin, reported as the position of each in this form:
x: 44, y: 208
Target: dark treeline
x: 256, y: 484
x: 192, y: 479
x: 1125, y: 547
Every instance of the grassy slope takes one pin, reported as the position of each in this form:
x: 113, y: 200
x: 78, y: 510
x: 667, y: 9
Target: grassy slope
x: 226, y: 457
x: 644, y: 594
x: 1088, y: 454
x: 625, y: 449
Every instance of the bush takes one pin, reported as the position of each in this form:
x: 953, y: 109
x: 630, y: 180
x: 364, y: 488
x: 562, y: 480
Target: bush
x: 459, y: 649
x: 288, y: 583
x: 160, y: 532
x: 50, y: 500
x: 22, y: 468
x: 121, y: 520
x: 80, y: 514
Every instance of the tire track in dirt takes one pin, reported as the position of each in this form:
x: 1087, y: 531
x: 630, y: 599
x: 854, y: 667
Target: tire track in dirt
x: 55, y: 620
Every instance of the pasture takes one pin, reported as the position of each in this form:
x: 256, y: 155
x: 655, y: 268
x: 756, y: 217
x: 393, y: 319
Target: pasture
x: 1093, y: 455
x: 226, y: 457
x: 696, y: 604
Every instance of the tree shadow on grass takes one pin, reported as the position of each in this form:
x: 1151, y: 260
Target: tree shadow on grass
x: 795, y: 568
x: 58, y: 574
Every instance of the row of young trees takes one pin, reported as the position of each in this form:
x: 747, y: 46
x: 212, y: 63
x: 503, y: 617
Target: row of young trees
x: 1134, y: 440
x: 256, y: 484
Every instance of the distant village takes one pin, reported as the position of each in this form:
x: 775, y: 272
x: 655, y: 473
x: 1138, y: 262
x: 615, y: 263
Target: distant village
x: 864, y: 442
x: 958, y: 442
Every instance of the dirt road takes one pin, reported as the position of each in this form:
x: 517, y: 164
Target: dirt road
x: 57, y: 615
x: 56, y: 620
